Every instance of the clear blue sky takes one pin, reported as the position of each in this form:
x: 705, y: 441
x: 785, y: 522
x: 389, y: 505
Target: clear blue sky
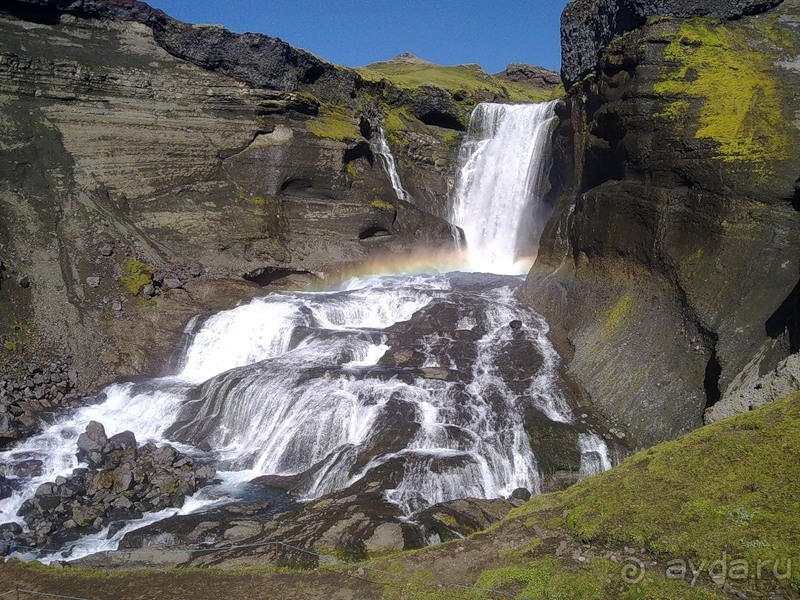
x: 357, y: 32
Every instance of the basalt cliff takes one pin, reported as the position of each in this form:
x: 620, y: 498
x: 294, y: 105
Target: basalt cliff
x: 151, y: 170
x: 669, y: 270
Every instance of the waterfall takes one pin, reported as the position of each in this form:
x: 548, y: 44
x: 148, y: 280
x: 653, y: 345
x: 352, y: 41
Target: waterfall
x: 501, y: 180
x: 424, y: 384
x: 386, y: 158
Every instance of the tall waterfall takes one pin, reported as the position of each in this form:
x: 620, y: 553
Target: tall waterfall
x: 386, y: 159
x: 428, y: 385
x: 502, y: 172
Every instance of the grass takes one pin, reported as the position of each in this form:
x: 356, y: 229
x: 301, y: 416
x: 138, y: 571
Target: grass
x: 730, y: 491
x: 137, y: 275
x: 461, y: 81
x: 741, y: 102
x: 335, y: 123
x: 732, y: 487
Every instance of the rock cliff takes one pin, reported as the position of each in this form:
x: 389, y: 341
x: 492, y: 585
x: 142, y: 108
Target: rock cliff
x: 151, y: 170
x: 669, y: 270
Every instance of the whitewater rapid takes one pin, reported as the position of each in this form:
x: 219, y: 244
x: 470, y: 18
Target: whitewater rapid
x: 305, y: 385
x: 291, y: 384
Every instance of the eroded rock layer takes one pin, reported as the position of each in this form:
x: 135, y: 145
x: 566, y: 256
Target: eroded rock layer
x: 670, y: 267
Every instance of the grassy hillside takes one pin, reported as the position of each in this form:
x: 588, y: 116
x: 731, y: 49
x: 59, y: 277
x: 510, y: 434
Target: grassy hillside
x: 462, y: 81
x: 687, y: 519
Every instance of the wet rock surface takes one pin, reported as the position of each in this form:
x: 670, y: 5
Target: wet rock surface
x: 123, y: 481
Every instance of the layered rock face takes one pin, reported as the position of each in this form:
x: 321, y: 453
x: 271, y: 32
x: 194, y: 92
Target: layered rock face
x: 589, y: 26
x: 669, y: 270
x: 147, y: 166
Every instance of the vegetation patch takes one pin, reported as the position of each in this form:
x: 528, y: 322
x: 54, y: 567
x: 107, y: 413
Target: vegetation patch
x: 730, y: 490
x: 741, y: 102
x: 461, y: 81
x: 382, y: 204
x: 334, y: 122
x: 137, y: 275
x: 618, y: 313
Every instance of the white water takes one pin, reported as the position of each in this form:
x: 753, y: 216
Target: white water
x: 502, y: 172
x: 386, y: 158
x: 290, y: 384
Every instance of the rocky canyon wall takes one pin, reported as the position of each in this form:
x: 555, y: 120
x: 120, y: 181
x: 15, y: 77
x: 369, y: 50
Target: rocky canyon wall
x: 151, y: 170
x: 669, y: 270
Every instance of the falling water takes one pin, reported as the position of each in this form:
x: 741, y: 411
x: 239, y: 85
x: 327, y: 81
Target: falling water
x: 386, y: 158
x: 502, y: 172
x: 303, y: 385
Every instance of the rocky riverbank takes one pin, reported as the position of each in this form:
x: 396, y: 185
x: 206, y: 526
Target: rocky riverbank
x: 122, y: 481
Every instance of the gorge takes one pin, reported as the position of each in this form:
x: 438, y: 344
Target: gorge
x: 249, y: 296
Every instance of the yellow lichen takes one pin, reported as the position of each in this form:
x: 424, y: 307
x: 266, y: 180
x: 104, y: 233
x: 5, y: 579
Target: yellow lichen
x: 741, y: 104
x: 335, y: 123
x: 382, y: 204
x: 618, y: 313
x: 137, y: 275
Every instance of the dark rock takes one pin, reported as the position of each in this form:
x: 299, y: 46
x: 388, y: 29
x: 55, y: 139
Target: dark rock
x: 91, y: 444
x: 515, y: 324
x: 649, y: 278
x: 532, y: 75
x: 587, y: 26
x: 521, y: 494
x: 460, y: 518
x: 122, y: 484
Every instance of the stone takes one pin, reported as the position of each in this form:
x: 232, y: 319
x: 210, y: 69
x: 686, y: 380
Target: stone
x: 172, y: 284
x: 125, y: 440
x: 93, y: 282
x: 116, y: 305
x: 587, y: 26
x: 106, y: 250
x: 516, y: 324
x: 521, y: 494
x: 91, y: 444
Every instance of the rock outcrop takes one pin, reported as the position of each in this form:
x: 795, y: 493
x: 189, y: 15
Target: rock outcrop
x: 123, y: 481
x: 144, y: 160
x: 589, y: 26
x: 669, y: 270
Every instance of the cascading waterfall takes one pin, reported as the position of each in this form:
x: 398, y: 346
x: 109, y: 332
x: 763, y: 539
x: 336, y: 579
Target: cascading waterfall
x: 298, y: 385
x: 501, y: 177
x: 384, y: 152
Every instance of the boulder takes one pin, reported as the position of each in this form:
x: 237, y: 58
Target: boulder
x: 123, y: 482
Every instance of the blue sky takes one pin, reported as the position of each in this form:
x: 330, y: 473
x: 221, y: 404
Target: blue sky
x: 357, y: 32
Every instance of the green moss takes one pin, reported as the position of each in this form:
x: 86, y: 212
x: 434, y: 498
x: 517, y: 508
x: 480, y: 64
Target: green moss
x: 382, y: 204
x: 11, y: 345
x: 334, y: 122
x: 461, y: 80
x: 137, y: 275
x: 258, y: 201
x: 618, y: 313
x: 741, y: 105
x: 732, y: 487
x: 352, y: 171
